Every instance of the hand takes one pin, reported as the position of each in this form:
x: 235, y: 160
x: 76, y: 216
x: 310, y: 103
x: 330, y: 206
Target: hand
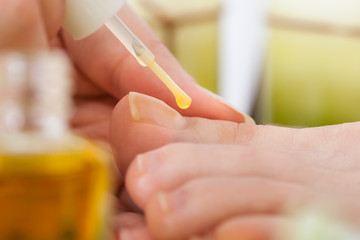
x: 105, y: 71
x: 227, y: 179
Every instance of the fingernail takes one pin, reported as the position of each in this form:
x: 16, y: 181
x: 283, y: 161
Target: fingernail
x: 246, y: 118
x: 150, y: 110
x: 145, y: 182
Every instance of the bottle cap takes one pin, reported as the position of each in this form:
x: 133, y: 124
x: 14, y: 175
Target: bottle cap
x: 35, y: 92
x: 83, y: 17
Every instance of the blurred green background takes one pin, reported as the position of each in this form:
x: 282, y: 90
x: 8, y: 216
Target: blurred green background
x: 312, y: 75
x: 310, y: 71
x: 312, y: 78
x: 189, y: 28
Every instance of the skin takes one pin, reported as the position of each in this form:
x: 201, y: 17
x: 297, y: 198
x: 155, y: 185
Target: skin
x: 104, y: 73
x: 230, y: 180
x: 177, y: 171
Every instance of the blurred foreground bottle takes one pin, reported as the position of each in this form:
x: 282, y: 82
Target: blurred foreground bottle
x: 313, y: 65
x: 189, y: 28
x: 53, y: 184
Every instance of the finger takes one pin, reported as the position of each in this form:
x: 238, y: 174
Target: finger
x: 131, y: 226
x: 104, y: 60
x: 157, y: 119
x: 204, y: 203
x: 252, y: 228
x: 53, y: 14
x: 127, y: 202
x: 141, y: 123
x: 84, y: 87
x: 171, y: 166
x: 91, y: 118
x: 21, y: 25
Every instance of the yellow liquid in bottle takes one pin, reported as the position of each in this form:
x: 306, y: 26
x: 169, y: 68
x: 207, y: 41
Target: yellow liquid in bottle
x: 53, y: 195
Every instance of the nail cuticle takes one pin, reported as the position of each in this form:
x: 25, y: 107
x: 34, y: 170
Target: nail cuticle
x: 133, y: 109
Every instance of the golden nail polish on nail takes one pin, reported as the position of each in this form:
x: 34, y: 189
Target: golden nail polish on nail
x: 162, y: 198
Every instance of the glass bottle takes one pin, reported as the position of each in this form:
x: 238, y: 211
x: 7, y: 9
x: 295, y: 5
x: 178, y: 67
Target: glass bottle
x: 53, y: 184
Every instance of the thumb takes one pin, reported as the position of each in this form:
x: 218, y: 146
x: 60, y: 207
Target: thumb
x: 146, y: 123
x: 21, y: 25
x: 28, y: 24
x: 211, y: 106
x: 53, y: 14
x: 108, y: 64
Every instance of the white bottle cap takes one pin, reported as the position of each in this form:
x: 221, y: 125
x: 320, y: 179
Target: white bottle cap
x: 83, y: 17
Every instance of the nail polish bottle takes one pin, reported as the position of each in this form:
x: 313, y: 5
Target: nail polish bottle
x: 53, y: 184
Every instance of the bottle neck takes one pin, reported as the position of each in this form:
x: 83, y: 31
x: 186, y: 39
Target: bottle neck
x: 35, y: 93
